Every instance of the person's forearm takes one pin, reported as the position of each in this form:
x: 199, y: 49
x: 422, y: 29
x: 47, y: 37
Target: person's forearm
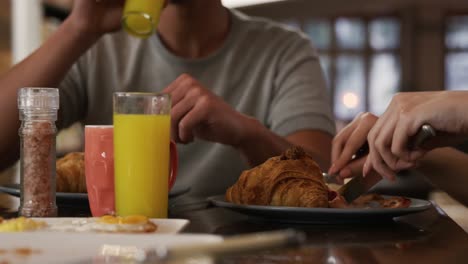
x: 262, y: 144
x: 46, y: 67
x: 447, y: 168
x: 48, y: 64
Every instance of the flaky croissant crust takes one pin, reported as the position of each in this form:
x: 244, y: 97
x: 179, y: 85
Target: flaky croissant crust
x: 71, y: 173
x: 292, y: 179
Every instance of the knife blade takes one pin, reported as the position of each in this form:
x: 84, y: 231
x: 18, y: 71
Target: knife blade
x: 360, y: 185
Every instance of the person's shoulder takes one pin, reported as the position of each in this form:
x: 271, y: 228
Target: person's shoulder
x: 271, y: 37
x: 116, y: 44
x: 117, y: 40
x: 268, y: 28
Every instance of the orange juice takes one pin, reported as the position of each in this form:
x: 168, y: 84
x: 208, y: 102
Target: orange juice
x: 141, y: 17
x: 141, y: 147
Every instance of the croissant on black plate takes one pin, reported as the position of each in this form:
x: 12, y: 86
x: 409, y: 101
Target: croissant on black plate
x: 291, y: 179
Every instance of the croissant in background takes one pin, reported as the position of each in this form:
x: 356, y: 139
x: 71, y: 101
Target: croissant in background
x: 292, y: 179
x: 71, y: 173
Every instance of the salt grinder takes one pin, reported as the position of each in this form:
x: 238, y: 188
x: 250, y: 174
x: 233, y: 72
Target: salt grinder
x: 38, y: 113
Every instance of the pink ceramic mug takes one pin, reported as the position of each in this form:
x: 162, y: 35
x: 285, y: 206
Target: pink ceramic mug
x: 99, y: 169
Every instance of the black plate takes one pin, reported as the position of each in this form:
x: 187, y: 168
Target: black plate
x: 78, y: 198
x: 320, y: 215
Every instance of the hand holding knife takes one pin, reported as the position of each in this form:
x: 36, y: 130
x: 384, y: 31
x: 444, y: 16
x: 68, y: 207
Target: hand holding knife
x: 359, y: 184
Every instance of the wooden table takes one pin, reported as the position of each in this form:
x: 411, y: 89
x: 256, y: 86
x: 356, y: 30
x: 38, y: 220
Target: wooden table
x: 426, y: 237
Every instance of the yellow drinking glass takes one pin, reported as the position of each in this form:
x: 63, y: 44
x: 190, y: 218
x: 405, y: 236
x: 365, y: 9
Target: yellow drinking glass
x: 145, y: 159
x: 140, y: 17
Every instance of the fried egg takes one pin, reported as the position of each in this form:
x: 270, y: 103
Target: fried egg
x: 21, y: 224
x: 107, y: 224
x: 126, y: 224
x: 104, y: 224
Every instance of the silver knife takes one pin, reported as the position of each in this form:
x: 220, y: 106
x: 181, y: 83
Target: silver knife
x: 239, y: 244
x: 360, y: 185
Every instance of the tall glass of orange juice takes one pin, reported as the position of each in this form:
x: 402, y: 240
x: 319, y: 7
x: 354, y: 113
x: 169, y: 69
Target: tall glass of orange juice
x: 140, y: 17
x: 143, y: 154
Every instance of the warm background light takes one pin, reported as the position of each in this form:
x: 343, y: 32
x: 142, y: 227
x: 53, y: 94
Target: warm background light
x: 350, y: 100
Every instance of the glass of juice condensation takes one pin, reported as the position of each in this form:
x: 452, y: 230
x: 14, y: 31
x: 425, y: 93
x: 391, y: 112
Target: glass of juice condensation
x: 140, y: 17
x: 145, y: 159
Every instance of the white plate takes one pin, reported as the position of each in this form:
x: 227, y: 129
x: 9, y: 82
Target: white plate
x: 165, y: 226
x: 62, y: 247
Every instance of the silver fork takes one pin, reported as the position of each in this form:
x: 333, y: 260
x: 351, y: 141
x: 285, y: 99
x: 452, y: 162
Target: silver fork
x: 334, y: 178
x: 331, y: 178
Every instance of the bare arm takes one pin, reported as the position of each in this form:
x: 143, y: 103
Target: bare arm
x: 262, y: 144
x: 48, y: 65
x: 198, y: 113
x: 447, y: 168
